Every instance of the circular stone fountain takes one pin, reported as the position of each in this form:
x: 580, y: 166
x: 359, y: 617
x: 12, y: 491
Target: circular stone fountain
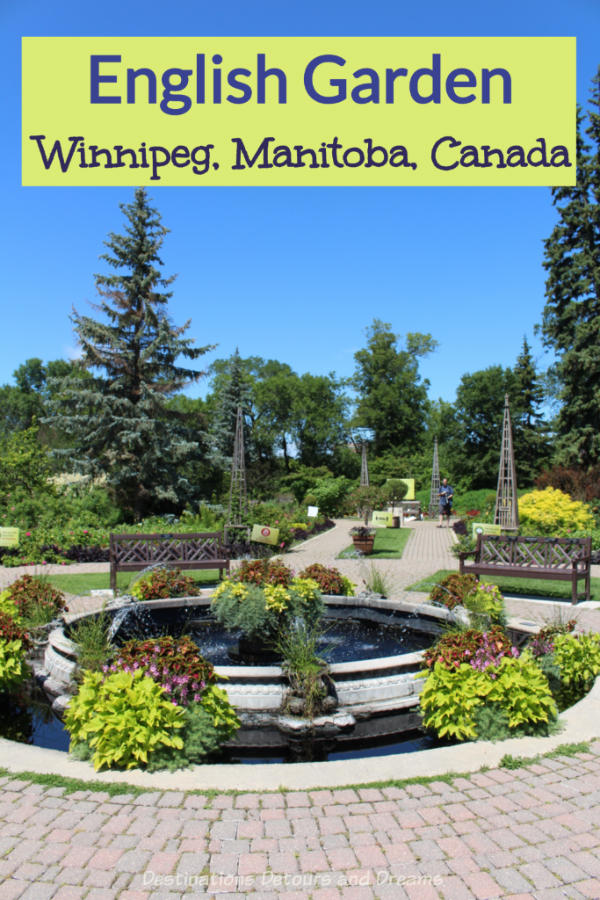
x: 376, y: 696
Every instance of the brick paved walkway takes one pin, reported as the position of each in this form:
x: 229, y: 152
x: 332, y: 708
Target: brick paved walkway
x: 527, y: 834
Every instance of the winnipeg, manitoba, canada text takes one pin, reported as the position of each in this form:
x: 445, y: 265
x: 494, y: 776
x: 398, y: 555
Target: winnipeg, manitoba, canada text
x: 447, y: 154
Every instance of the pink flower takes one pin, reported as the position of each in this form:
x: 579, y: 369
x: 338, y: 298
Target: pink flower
x: 27, y: 534
x: 282, y: 544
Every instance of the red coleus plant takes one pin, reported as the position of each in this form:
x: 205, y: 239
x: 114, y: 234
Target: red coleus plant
x: 330, y: 580
x: 174, y: 663
x: 30, y: 592
x: 163, y: 583
x: 478, y: 648
x: 263, y: 571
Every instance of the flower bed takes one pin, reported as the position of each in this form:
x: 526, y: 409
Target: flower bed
x: 156, y: 705
x: 479, y: 686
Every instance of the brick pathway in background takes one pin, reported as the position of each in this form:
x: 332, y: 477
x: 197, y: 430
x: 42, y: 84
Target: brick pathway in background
x: 526, y: 834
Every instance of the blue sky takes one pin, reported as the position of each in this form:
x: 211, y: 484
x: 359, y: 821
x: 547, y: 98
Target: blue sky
x: 295, y: 274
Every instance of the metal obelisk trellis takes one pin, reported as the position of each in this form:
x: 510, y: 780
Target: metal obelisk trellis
x: 434, y: 497
x: 364, y: 469
x: 506, y: 511
x: 238, y: 502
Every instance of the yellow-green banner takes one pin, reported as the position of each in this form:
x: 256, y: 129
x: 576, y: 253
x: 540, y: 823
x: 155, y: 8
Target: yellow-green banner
x: 311, y: 111
x: 263, y: 534
x: 485, y: 528
x: 381, y: 518
x: 9, y: 537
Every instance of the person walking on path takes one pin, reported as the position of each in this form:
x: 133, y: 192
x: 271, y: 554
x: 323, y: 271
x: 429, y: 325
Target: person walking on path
x: 446, y: 497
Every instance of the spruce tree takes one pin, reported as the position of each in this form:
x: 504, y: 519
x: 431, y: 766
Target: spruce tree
x: 530, y: 432
x: 233, y: 391
x: 571, y: 316
x: 119, y: 419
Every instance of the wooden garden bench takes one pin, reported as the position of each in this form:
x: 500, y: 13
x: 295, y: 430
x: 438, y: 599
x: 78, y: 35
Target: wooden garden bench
x: 560, y: 559
x: 199, y: 550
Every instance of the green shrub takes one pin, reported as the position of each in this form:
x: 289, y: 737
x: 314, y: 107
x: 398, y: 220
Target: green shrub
x: 329, y: 495
x: 162, y: 583
x: 550, y: 512
x: 122, y: 717
x: 206, y: 727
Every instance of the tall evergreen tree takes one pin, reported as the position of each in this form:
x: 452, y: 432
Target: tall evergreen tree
x: 392, y: 397
x: 233, y: 391
x: 571, y: 316
x: 530, y: 433
x: 120, y: 420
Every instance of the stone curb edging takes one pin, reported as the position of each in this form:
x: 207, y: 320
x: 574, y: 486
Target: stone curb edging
x: 579, y: 724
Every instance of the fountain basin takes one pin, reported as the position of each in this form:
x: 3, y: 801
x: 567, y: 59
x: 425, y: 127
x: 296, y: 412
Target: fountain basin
x: 365, y: 686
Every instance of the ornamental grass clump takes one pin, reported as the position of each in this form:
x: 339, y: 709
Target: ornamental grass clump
x: 552, y: 512
x: 163, y: 583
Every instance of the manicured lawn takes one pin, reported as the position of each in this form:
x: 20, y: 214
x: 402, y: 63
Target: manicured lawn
x: 389, y: 544
x: 530, y: 587
x: 97, y: 581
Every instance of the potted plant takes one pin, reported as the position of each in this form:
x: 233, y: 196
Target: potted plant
x: 363, y: 538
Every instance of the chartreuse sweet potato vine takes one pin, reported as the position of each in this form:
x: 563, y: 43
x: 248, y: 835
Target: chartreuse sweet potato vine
x: 123, y: 718
x: 453, y: 698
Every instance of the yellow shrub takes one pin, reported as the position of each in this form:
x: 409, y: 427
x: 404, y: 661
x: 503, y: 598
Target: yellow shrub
x: 550, y: 511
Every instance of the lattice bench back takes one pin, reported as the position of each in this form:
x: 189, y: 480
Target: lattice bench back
x: 560, y: 559
x: 534, y: 552
x: 198, y: 550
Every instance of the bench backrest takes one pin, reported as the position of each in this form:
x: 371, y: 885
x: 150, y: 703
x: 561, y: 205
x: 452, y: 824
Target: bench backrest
x: 535, y: 552
x: 132, y: 552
